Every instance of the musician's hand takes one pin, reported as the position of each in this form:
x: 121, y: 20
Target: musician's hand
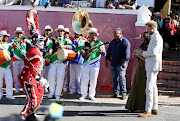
x: 124, y: 64
x: 47, y: 61
x: 107, y: 65
x: 100, y: 48
x: 82, y: 52
x: 50, y: 51
x: 62, y: 46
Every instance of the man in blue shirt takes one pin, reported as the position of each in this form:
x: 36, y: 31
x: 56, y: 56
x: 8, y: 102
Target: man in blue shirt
x: 119, y: 54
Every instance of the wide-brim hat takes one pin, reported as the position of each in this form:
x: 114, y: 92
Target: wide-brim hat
x: 60, y: 27
x: 93, y: 30
x: 4, y: 32
x: 18, y: 29
x: 48, y: 27
x: 67, y: 30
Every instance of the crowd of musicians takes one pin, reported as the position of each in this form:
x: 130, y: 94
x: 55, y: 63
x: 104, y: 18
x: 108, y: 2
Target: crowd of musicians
x: 54, y: 70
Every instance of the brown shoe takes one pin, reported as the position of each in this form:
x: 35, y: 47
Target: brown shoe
x: 155, y: 112
x: 145, y: 114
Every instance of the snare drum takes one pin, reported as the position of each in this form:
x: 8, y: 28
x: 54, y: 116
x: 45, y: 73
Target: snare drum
x: 64, y: 54
x: 4, y: 56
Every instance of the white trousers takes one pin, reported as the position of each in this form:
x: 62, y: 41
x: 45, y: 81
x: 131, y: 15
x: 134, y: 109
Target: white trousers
x: 75, y: 78
x: 56, y: 78
x: 65, y: 85
x: 89, y: 74
x: 44, y: 72
x: 17, y: 67
x: 151, y: 92
x: 6, y: 73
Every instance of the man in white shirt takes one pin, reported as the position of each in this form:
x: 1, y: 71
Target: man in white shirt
x: 153, y: 64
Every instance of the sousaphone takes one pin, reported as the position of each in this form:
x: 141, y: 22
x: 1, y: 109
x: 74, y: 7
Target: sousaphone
x: 81, y: 22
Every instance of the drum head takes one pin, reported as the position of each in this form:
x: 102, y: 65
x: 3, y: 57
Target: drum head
x: 6, y: 55
x: 62, y: 55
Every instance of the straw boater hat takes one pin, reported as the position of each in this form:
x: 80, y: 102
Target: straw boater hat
x: 67, y: 30
x: 93, y: 30
x: 4, y: 32
x: 48, y: 27
x: 60, y: 27
x: 18, y: 29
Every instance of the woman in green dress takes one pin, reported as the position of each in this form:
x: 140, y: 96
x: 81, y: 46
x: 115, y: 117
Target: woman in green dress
x: 137, y: 97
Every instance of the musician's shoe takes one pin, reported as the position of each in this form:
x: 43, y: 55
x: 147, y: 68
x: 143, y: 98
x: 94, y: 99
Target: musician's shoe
x: 123, y: 97
x: 57, y: 97
x: 155, y: 112
x: 81, y: 98
x: 10, y: 97
x: 50, y: 96
x: 145, y: 114
x: 92, y: 98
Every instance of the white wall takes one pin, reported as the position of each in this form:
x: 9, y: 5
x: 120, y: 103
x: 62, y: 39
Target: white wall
x: 146, y: 2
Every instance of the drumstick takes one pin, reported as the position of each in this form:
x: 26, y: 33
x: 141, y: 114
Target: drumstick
x: 28, y: 60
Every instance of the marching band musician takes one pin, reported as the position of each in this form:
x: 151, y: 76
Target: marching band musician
x: 30, y: 78
x: 18, y: 58
x: 76, y: 65
x: 90, y: 68
x: 65, y: 85
x: 5, y: 70
x: 57, y: 67
x: 48, y: 39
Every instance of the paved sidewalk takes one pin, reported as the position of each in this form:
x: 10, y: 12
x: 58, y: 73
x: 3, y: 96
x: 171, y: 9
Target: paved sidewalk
x: 103, y: 98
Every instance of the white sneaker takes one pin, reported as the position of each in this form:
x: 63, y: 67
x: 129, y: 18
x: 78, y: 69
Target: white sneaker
x: 81, y: 98
x: 10, y: 97
x: 92, y: 98
x: 50, y: 96
x: 57, y: 97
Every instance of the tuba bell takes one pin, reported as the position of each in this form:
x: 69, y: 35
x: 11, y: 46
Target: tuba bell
x: 81, y: 22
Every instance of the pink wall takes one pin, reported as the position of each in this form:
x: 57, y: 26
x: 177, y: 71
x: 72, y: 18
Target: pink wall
x: 104, y: 22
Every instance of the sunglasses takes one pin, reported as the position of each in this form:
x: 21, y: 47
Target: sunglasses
x: 60, y: 31
x: 18, y: 33
x: 6, y: 36
x: 48, y: 29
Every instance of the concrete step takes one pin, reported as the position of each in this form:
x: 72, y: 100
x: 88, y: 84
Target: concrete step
x: 168, y: 83
x: 168, y: 91
x: 171, y: 68
x: 169, y: 76
x: 175, y: 63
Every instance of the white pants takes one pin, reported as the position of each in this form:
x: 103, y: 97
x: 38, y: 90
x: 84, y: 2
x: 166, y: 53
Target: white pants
x: 89, y: 74
x: 6, y: 73
x: 56, y: 78
x: 151, y: 92
x: 75, y: 78
x: 17, y: 67
x: 65, y: 85
x: 44, y: 72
